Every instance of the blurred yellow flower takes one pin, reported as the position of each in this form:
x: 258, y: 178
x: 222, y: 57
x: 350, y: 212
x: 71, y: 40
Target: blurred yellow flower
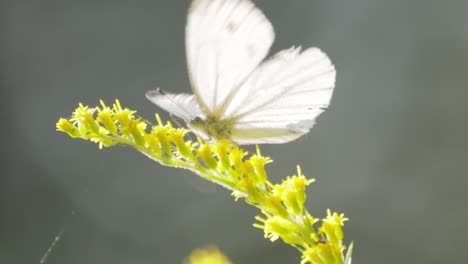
x: 207, y: 255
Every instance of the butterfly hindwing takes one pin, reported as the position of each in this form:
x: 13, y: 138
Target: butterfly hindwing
x: 182, y: 105
x: 282, y: 98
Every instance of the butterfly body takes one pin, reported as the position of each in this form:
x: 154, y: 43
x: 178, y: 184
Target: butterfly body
x: 213, y: 127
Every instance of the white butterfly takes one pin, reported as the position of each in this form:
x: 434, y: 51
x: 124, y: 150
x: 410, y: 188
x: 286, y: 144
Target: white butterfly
x: 236, y: 95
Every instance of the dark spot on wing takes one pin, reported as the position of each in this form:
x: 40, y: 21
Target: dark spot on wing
x: 232, y: 27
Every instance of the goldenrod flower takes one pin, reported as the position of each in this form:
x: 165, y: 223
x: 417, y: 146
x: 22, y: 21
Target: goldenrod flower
x: 282, y: 205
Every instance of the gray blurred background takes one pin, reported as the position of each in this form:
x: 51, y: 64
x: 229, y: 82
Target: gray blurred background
x: 391, y: 152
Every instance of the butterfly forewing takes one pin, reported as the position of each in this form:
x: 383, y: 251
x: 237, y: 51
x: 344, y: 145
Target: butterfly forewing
x: 225, y: 42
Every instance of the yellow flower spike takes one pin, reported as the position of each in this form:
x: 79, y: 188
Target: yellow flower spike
x: 282, y: 205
